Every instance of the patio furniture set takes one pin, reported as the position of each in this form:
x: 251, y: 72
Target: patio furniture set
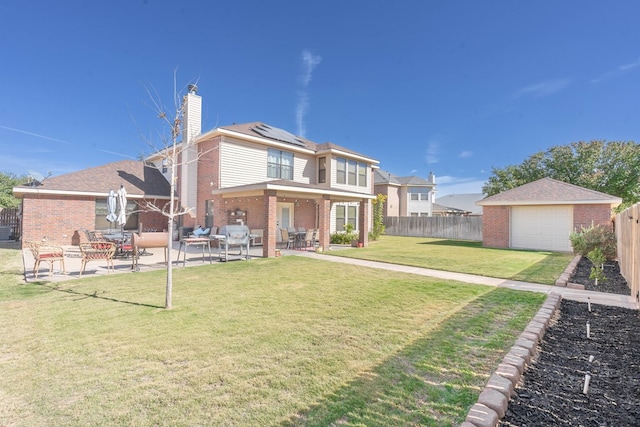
x: 107, y: 246
x: 299, y: 238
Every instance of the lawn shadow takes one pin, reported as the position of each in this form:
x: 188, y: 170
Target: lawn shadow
x: 422, y: 384
x: 459, y: 243
x: 84, y: 295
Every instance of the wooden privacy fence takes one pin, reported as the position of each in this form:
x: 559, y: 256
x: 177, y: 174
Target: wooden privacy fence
x: 9, y: 224
x: 628, y: 243
x: 445, y: 227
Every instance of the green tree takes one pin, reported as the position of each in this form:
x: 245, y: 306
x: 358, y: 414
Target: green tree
x: 7, y: 182
x: 609, y: 167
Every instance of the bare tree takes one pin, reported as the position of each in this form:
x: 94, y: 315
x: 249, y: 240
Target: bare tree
x: 173, y: 146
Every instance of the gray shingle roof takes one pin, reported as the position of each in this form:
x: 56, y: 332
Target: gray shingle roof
x: 383, y: 177
x: 549, y: 191
x: 137, y: 178
x: 253, y: 129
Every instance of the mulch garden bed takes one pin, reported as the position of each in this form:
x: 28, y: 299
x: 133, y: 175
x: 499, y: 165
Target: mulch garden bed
x: 552, y: 390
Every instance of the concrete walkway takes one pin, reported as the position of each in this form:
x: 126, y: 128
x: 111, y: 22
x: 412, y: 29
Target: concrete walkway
x: 568, y: 293
x: 155, y: 260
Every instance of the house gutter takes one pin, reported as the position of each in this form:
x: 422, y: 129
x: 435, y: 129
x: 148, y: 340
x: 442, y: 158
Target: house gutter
x: 549, y: 202
x: 20, y: 190
x: 289, y: 189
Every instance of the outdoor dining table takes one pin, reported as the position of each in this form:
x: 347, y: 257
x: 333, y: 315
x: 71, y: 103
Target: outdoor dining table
x: 194, y: 241
x: 122, y: 241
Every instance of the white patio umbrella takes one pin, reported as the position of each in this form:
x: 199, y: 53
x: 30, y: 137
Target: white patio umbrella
x: 122, y: 202
x: 111, y: 207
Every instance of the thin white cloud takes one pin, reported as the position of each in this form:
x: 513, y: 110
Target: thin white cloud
x: 118, y: 154
x: 301, y: 112
x: 630, y: 66
x: 432, y: 153
x: 309, y: 63
x: 33, y: 134
x: 446, y: 185
x: 624, y: 68
x: 465, y: 154
x: 543, y: 89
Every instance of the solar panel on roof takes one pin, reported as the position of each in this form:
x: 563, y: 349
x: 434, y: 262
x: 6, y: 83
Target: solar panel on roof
x: 278, y: 134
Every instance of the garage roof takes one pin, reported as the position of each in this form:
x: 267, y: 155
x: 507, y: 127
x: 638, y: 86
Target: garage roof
x: 549, y: 191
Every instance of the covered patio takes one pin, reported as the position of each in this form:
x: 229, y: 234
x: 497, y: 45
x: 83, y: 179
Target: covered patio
x: 153, y: 259
x: 269, y: 206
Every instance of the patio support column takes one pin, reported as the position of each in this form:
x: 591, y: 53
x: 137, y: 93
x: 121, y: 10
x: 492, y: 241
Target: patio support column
x: 324, y: 221
x: 270, y: 230
x: 363, y: 221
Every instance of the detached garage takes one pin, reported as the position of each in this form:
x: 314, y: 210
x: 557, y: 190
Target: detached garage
x: 542, y: 214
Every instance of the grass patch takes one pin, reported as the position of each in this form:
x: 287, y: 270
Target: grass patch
x: 281, y: 341
x: 464, y: 257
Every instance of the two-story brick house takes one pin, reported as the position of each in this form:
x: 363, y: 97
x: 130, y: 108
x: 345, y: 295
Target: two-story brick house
x: 267, y: 178
x: 253, y: 173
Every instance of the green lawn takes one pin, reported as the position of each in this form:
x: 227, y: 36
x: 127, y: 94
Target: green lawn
x: 282, y: 341
x: 464, y: 257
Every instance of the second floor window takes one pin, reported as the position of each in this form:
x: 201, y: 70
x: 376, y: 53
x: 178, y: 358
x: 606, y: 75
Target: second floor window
x: 322, y: 170
x: 341, y: 171
x: 362, y: 174
x: 279, y: 164
x: 351, y: 172
x: 418, y: 193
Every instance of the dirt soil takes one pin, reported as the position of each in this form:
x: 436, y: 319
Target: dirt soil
x: 614, y: 282
x: 552, y: 390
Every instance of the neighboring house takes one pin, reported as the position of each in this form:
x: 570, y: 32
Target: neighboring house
x: 439, y: 210
x: 406, y: 195
x: 267, y: 178
x: 542, y: 214
x: 465, y: 202
x: 58, y: 208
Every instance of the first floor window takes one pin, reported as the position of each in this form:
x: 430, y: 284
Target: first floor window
x: 346, y: 215
x: 208, y: 213
x: 279, y: 164
x: 101, y: 222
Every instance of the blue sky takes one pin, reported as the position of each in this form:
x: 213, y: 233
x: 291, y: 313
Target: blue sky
x: 451, y: 87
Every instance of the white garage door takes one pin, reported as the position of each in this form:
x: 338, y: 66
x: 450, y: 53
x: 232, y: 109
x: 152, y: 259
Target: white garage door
x: 541, y: 227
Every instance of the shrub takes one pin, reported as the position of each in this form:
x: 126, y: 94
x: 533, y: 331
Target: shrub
x: 345, y: 237
x: 597, y: 258
x: 592, y: 237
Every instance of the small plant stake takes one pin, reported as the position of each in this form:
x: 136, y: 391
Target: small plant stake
x: 587, y: 380
x: 589, y: 303
x: 588, y: 330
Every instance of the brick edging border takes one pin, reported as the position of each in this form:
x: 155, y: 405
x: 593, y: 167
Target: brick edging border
x: 563, y: 280
x: 494, y: 398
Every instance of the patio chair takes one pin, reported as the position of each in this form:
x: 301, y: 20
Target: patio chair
x: 310, y: 238
x: 97, y: 251
x: 289, y: 238
x: 48, y: 253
